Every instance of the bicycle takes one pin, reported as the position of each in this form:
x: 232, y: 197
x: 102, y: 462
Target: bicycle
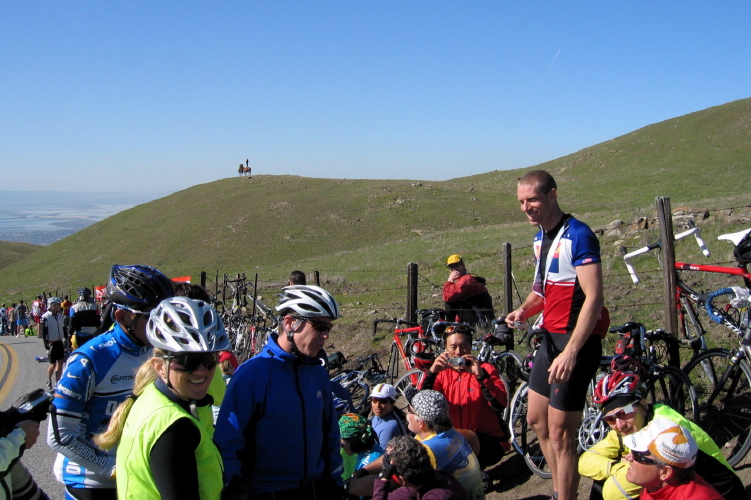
x: 687, y: 299
x: 723, y: 382
x: 367, y: 371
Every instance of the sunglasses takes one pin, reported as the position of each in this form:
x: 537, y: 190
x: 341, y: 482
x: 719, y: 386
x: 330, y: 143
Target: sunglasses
x: 457, y: 329
x: 191, y: 362
x: 625, y: 412
x: 641, y: 458
x: 319, y: 326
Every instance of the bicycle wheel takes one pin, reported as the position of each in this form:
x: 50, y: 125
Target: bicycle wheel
x: 670, y: 386
x: 724, y: 392
x: 523, y: 438
x: 410, y: 380
x: 360, y: 392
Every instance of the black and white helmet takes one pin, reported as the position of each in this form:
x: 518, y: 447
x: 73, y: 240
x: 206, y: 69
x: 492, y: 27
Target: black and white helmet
x: 307, y: 301
x: 180, y: 324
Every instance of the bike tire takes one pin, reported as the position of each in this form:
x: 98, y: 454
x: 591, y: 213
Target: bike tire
x: 523, y: 438
x: 670, y: 386
x: 509, y: 364
x: 727, y: 417
x: 411, y: 379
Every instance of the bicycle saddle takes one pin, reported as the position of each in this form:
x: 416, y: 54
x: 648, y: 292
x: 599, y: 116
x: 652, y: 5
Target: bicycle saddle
x: 734, y: 238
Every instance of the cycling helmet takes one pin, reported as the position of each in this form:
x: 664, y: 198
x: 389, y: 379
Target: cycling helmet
x: 617, y: 384
x: 742, y: 252
x: 54, y: 300
x: 625, y: 363
x: 180, y: 324
x: 84, y: 293
x: 307, y: 301
x: 138, y: 288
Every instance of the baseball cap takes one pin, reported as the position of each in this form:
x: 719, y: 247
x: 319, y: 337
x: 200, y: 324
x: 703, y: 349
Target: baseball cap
x: 666, y: 441
x: 383, y: 391
x: 227, y: 355
x: 454, y: 259
x: 431, y: 406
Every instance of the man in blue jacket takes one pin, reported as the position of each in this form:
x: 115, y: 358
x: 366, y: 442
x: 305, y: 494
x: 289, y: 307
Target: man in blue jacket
x: 277, y: 429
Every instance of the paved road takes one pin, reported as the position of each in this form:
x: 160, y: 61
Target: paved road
x: 21, y: 374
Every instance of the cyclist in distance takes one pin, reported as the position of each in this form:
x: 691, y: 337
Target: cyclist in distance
x: 84, y: 318
x: 98, y: 377
x: 163, y: 450
x: 465, y: 296
x: 626, y: 412
x: 53, y: 333
x: 475, y: 393
x: 568, y: 291
x: 277, y: 428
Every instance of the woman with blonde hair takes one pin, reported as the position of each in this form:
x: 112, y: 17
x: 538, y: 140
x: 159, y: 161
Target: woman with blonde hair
x: 162, y: 444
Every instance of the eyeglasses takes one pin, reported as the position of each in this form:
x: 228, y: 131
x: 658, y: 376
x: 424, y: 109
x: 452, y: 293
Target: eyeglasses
x: 191, y: 362
x: 641, y: 458
x: 319, y: 326
x: 625, y: 412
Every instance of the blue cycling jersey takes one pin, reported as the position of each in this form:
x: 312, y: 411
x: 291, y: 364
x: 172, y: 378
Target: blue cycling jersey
x: 97, y: 378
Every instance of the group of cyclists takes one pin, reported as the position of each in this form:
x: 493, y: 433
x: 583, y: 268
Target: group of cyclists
x: 132, y: 414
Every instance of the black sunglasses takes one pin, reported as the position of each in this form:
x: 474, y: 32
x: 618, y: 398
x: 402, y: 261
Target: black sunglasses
x: 319, y: 326
x: 191, y: 362
x: 642, y: 458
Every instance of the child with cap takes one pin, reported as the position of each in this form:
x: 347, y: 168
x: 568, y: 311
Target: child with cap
x: 662, y: 460
x: 386, y: 423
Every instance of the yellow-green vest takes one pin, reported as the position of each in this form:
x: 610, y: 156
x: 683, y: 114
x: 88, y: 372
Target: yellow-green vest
x: 151, y: 414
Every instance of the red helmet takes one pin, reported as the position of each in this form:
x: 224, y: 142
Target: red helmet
x: 617, y: 384
x: 625, y: 363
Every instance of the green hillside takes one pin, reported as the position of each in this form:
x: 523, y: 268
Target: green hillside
x: 13, y: 251
x: 361, y: 234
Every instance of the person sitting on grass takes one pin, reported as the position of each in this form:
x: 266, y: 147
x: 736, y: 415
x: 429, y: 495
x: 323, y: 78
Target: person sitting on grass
x: 407, y: 463
x: 428, y: 418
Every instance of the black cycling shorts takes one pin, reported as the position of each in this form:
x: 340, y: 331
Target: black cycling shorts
x: 569, y: 396
x: 56, y: 352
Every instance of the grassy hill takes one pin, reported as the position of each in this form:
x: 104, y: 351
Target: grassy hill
x: 361, y: 234
x: 12, y: 251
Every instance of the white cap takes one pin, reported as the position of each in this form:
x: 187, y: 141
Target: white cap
x: 383, y: 391
x: 666, y: 441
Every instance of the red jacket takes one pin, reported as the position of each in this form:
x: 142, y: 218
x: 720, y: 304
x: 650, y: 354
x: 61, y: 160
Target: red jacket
x: 468, y: 408
x: 465, y: 287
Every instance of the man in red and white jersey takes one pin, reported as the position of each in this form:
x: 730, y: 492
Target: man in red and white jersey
x: 568, y: 291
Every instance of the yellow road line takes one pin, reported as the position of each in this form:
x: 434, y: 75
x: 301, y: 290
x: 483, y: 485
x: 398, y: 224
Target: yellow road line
x: 9, y: 372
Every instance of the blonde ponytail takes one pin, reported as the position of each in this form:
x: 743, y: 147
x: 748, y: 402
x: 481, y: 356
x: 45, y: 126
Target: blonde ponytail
x: 145, y: 375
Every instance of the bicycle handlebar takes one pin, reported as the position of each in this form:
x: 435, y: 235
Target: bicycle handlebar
x: 627, y: 256
x: 709, y: 307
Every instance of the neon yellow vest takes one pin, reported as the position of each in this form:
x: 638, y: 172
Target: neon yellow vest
x: 150, y: 416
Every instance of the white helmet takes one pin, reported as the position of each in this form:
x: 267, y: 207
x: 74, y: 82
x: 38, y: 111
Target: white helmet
x: 307, y: 301
x: 180, y: 324
x: 54, y: 300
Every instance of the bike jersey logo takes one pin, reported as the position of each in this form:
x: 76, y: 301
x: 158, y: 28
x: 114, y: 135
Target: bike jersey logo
x: 121, y: 378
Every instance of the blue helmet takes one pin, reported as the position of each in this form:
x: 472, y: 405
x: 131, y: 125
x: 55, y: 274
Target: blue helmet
x: 138, y: 288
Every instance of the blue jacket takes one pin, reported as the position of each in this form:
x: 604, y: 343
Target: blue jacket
x: 277, y: 428
x: 97, y: 377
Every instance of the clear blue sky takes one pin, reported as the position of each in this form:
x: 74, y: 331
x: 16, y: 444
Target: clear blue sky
x: 158, y: 96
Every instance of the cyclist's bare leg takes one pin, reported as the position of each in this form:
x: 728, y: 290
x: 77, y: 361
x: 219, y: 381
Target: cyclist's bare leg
x: 563, y: 431
x: 537, y: 418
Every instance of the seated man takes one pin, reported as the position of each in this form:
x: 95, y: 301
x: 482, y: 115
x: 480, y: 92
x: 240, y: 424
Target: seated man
x: 475, y: 393
x: 626, y: 412
x: 386, y: 422
x: 465, y: 297
x: 662, y: 460
x: 407, y: 463
x: 428, y: 417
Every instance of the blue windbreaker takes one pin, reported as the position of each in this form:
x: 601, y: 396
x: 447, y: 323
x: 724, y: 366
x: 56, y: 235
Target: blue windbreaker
x: 277, y: 428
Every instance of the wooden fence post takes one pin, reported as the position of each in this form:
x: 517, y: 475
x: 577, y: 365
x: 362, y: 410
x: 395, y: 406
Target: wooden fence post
x: 508, y: 299
x: 203, y: 279
x: 667, y: 240
x: 317, y: 277
x: 411, y: 314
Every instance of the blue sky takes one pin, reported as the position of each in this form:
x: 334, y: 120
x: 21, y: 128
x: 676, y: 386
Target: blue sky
x: 160, y: 96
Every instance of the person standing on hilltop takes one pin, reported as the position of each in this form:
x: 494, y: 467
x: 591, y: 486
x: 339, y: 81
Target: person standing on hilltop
x: 84, y: 318
x: 465, y: 297
x: 38, y: 308
x: 4, y: 320
x: 52, y: 332
x: 568, y: 291
x: 66, y: 305
x: 97, y: 378
x: 12, y: 316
